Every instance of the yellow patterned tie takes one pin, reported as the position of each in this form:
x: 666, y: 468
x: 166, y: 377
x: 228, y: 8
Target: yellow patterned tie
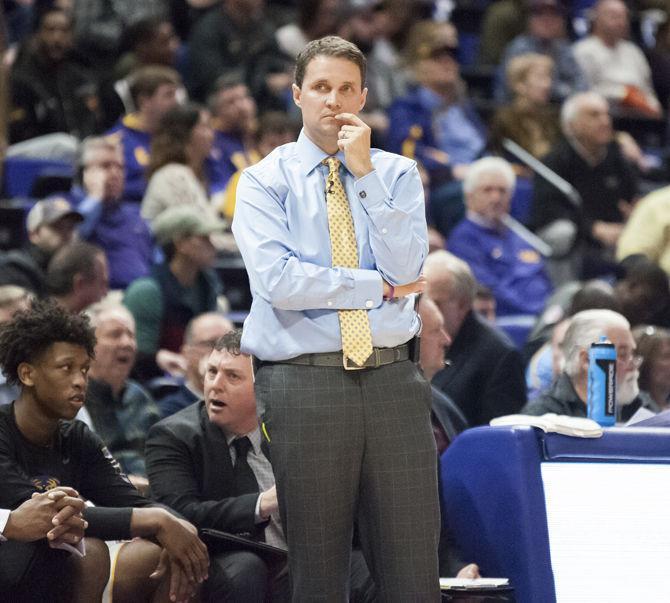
x: 354, y: 324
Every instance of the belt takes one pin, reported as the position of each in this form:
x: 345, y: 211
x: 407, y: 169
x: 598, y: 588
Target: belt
x: 379, y: 357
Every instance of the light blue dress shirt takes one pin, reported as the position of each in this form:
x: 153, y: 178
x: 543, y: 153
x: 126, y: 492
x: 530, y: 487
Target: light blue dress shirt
x: 281, y: 228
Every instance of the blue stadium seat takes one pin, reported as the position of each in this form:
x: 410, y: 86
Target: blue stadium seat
x: 20, y: 174
x: 517, y: 327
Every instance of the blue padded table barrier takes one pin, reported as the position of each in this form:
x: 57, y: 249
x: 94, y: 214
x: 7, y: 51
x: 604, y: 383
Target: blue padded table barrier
x: 618, y: 444
x: 494, y: 497
x: 493, y: 501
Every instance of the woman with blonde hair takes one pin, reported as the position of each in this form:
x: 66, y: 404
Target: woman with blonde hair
x: 529, y: 119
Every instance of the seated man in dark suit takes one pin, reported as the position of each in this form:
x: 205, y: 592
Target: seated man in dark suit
x: 209, y: 462
x: 448, y: 420
x: 485, y: 375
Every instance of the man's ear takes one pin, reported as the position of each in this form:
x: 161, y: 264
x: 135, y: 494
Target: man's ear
x: 297, y: 92
x: 464, y: 306
x: 584, y: 360
x: 364, y: 97
x: 77, y: 281
x: 26, y: 372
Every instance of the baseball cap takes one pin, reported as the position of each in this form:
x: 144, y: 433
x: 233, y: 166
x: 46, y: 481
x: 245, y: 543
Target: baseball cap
x: 184, y: 221
x: 49, y: 211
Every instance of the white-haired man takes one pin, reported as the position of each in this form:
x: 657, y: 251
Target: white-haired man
x: 121, y: 411
x: 499, y: 258
x: 485, y: 372
x: 567, y: 395
x: 592, y: 161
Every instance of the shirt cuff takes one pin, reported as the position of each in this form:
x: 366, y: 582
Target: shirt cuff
x: 4, y: 518
x: 370, y: 189
x: 369, y: 290
x: 78, y: 549
x: 257, y: 511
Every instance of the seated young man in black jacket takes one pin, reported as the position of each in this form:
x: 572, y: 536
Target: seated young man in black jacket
x: 47, y: 351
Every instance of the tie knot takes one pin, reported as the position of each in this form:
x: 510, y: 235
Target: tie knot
x: 333, y: 164
x: 242, y: 446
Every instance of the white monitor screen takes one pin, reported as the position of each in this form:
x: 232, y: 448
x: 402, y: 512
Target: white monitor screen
x: 609, y: 531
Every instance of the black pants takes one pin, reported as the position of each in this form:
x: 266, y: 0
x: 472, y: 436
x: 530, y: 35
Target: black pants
x: 244, y: 576
x: 32, y: 572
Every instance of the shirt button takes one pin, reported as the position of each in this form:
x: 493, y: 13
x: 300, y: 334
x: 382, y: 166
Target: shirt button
x: 369, y: 303
x: 362, y: 194
x: 329, y: 303
x: 384, y: 231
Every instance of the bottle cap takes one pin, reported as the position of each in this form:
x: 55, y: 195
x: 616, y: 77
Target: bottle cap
x: 603, y: 342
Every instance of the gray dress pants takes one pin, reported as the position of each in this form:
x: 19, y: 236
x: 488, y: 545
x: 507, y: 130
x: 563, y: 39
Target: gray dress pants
x: 354, y: 445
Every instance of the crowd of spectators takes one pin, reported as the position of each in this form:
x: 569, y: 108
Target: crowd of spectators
x: 534, y: 255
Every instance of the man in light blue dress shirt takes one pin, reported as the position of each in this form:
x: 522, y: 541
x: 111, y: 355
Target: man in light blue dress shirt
x: 347, y: 446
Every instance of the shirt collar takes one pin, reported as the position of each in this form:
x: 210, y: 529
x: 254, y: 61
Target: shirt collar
x: 484, y: 222
x: 134, y: 122
x: 592, y: 160
x: 254, y: 437
x: 310, y: 155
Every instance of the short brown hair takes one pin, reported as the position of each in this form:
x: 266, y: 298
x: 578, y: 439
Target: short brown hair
x: 231, y: 342
x: 330, y: 46
x: 146, y: 80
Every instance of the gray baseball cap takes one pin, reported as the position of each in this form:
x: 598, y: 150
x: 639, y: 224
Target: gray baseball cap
x: 49, y: 211
x: 185, y: 221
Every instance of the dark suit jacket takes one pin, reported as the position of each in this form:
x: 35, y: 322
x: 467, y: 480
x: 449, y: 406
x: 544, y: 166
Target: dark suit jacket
x: 190, y: 470
x: 486, y: 377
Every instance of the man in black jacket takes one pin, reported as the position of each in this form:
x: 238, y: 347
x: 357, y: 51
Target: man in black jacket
x: 48, y: 351
x: 592, y: 160
x: 210, y: 463
x: 485, y: 373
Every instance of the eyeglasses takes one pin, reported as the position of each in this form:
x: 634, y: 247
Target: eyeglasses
x: 627, y: 357
x: 445, y: 51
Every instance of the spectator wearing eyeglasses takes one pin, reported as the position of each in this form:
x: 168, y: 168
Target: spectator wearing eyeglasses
x: 202, y: 332
x: 567, y: 396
